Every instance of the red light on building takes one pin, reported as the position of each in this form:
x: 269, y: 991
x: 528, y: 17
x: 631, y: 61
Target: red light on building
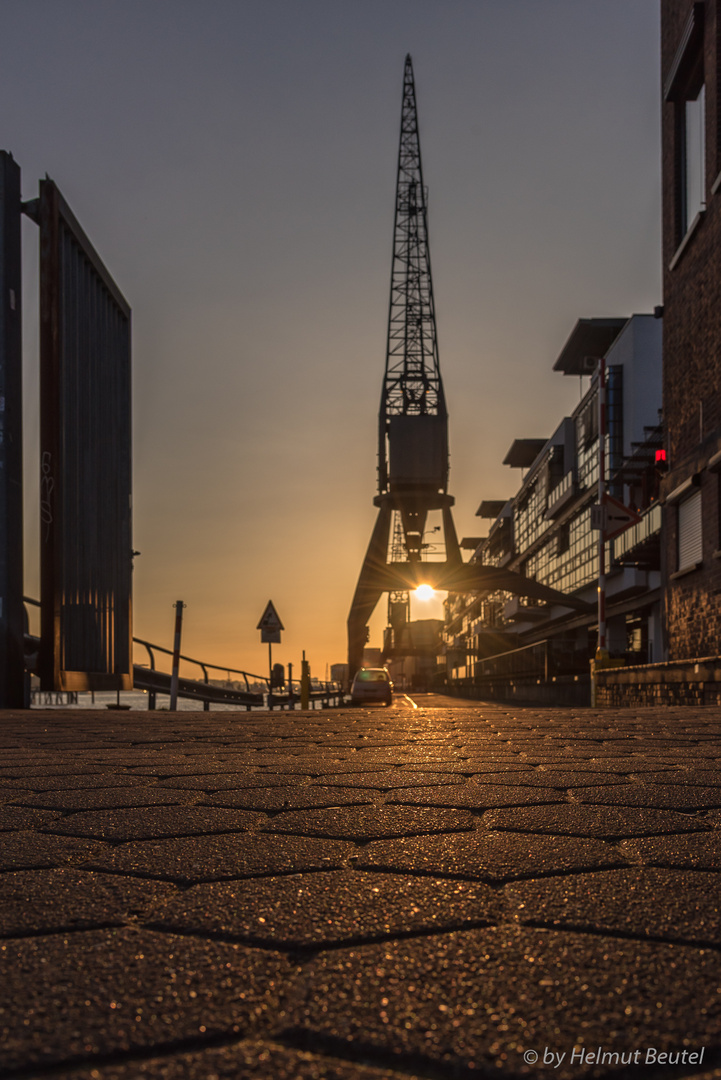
x: 660, y: 456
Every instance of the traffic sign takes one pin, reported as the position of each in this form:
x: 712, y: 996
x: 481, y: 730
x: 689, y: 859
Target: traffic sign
x: 270, y: 625
x: 618, y: 517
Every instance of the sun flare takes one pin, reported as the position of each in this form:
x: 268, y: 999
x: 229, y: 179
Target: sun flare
x: 425, y: 592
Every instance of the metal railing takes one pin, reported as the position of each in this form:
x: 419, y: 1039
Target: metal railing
x: 256, y: 693
x: 648, y: 526
x: 542, y: 661
x: 214, y: 691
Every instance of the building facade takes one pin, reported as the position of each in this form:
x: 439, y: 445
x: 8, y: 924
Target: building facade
x: 545, y: 530
x: 691, y: 170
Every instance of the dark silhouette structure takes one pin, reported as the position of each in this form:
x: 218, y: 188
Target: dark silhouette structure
x: 413, y: 427
x: 85, y: 458
x: 12, y: 615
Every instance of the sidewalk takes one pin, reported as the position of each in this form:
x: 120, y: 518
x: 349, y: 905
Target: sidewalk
x: 465, y: 890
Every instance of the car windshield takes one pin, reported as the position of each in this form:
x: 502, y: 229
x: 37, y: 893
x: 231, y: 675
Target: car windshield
x: 372, y: 675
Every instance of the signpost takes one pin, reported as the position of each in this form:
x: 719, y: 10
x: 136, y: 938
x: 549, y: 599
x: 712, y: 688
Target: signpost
x: 618, y: 517
x: 270, y: 627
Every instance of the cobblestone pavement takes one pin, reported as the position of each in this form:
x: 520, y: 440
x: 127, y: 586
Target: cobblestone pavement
x: 407, y: 892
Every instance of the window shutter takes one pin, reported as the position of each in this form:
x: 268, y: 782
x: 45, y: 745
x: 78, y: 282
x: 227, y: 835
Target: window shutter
x: 690, y: 549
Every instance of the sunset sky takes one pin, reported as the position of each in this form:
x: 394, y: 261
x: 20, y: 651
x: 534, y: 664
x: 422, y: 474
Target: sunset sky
x: 233, y: 161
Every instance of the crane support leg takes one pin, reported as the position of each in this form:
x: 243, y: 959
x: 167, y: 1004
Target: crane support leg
x: 369, y: 588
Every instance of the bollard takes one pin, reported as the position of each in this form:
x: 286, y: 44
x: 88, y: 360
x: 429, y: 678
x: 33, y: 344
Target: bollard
x: 304, y: 682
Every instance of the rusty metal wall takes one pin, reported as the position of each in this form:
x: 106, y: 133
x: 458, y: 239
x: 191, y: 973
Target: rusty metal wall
x: 86, y: 539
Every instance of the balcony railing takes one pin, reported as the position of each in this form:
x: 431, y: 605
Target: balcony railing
x: 648, y: 526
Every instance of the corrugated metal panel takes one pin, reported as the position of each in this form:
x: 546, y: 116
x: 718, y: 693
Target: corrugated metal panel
x: 690, y: 537
x: 86, y: 543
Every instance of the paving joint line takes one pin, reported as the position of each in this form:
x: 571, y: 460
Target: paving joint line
x: 301, y: 953
x: 192, y: 1044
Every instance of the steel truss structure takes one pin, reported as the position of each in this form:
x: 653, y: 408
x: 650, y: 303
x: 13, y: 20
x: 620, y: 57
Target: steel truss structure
x: 413, y: 427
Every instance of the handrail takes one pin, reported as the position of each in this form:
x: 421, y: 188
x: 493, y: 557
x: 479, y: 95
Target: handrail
x: 149, y: 645
x: 509, y: 652
x: 203, y: 663
x: 319, y: 690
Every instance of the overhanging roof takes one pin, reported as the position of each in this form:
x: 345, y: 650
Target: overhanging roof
x: 589, y: 340
x: 523, y: 452
x: 490, y: 508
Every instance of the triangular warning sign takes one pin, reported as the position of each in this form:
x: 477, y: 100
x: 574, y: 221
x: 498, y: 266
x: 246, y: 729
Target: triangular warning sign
x: 270, y: 620
x: 618, y: 517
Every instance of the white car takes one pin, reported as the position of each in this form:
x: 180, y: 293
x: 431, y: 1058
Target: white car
x: 371, y: 684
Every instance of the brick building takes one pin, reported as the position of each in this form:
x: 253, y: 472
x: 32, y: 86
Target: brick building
x: 691, y: 141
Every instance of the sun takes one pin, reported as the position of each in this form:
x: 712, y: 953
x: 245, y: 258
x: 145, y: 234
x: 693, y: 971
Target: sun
x: 425, y: 592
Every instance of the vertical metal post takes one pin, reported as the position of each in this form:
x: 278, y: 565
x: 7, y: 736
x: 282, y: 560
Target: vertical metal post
x: 151, y: 693
x: 270, y: 676
x: 290, y: 686
x: 601, y: 651
x: 304, y: 682
x: 206, y: 703
x: 179, y: 605
x: 12, y: 612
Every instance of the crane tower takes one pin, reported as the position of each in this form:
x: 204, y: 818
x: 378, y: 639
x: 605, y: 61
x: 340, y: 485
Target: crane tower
x: 413, y: 431
x: 413, y: 420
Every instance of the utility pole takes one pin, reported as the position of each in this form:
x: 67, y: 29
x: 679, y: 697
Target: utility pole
x: 601, y: 650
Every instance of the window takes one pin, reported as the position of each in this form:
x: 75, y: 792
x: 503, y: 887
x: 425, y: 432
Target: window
x: 563, y: 539
x: 693, y: 167
x: 690, y: 551
x: 684, y: 87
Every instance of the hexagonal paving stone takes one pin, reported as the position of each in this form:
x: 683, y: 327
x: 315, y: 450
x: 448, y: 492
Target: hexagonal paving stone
x: 480, y: 1002
x: 696, y: 777
x: 67, y: 899
x: 660, y: 796
x: 292, y: 798
x: 476, y: 796
x: 238, y: 1061
x: 26, y: 849
x: 701, y: 851
x: 208, y: 858
x: 105, y: 991
x: 327, y: 908
x: 603, y: 821
x: 13, y: 818
x: 106, y: 799
x: 154, y: 821
x: 626, y: 901
x: 488, y: 856
x: 71, y: 782
x: 369, y: 823
x: 568, y: 778
x: 393, y: 778
x: 233, y: 781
